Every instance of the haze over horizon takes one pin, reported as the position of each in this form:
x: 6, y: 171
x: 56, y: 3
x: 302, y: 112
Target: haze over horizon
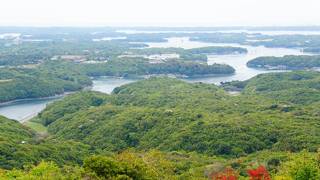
x: 159, y: 13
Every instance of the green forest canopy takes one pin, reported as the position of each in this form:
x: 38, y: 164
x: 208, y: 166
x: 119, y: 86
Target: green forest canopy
x: 196, y: 130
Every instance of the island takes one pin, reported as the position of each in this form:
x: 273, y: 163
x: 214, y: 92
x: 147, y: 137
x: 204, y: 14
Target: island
x: 289, y: 62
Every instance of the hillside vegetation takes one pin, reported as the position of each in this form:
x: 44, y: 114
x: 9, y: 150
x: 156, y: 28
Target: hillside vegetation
x: 20, y: 146
x: 163, y: 128
x: 169, y: 115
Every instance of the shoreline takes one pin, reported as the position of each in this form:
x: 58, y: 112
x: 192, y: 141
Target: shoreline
x: 33, y: 114
x: 38, y: 98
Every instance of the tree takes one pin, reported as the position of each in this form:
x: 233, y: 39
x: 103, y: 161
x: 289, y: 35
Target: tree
x: 303, y: 166
x: 260, y: 173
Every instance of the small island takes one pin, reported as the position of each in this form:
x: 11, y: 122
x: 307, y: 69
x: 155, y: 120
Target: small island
x: 290, y: 62
x: 218, y: 50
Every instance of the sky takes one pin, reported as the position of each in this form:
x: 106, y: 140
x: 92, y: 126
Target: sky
x: 159, y: 12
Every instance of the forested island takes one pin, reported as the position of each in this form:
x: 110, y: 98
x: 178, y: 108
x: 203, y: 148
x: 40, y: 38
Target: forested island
x: 218, y: 50
x: 209, y: 130
x: 286, y: 62
x: 135, y: 67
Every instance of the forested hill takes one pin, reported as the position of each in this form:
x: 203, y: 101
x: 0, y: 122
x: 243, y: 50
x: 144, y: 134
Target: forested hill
x: 299, y: 87
x: 170, y: 115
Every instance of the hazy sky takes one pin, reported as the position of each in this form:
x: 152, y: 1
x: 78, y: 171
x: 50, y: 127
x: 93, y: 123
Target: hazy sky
x: 159, y: 12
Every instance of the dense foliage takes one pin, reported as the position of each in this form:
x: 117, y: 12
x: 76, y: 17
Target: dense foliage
x: 298, y: 87
x: 126, y: 165
x: 138, y: 115
x: 158, y: 165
